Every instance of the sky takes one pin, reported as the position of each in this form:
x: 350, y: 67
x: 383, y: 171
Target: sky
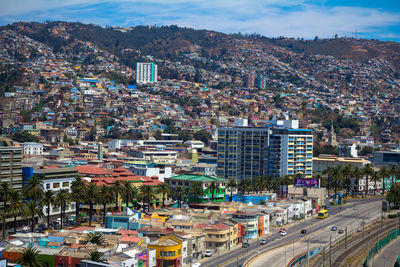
x: 271, y: 18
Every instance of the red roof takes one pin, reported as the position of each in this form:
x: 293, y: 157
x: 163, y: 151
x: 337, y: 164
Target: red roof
x: 127, y: 232
x: 52, y: 167
x: 83, y: 228
x: 130, y: 239
x: 91, y: 170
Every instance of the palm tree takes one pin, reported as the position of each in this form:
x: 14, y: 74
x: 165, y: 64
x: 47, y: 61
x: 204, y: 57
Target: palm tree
x: 106, y: 196
x: 30, y: 258
x: 337, y: 178
x: 393, y: 172
x: 259, y: 183
x: 91, y: 199
x: 62, y: 199
x: 33, y: 209
x: 383, y: 173
x: 3, y: 216
x: 347, y: 172
x: 96, y: 239
x: 163, y: 189
x: 286, y: 180
x: 328, y: 172
x: 16, y: 207
x: 232, y: 184
x: 196, y: 190
x: 179, y: 192
x: 33, y: 188
x: 78, y: 195
x: 48, y: 200
x: 212, y: 188
x: 245, y: 185
x: 5, y: 192
x: 375, y: 177
x: 148, y: 193
x: 358, y: 174
x: 95, y: 255
x: 129, y: 192
x: 368, y: 171
x: 118, y: 190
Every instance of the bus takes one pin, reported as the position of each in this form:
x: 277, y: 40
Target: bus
x: 322, y: 214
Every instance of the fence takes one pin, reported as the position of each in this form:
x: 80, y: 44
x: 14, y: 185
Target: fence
x: 381, y: 243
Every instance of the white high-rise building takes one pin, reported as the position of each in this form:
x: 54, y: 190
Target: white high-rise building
x: 146, y: 73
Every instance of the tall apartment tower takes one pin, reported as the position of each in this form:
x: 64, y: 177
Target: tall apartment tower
x: 10, y: 164
x: 146, y: 73
x: 247, y: 152
x: 290, y: 152
x: 242, y: 152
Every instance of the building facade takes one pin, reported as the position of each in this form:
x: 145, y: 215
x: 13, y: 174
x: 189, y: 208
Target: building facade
x: 186, y: 180
x: 32, y: 148
x: 146, y: 73
x: 10, y: 164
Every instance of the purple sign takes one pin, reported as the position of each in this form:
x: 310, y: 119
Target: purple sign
x: 307, y: 182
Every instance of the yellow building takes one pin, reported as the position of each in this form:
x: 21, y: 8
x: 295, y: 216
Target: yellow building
x: 168, y: 251
x: 221, y: 235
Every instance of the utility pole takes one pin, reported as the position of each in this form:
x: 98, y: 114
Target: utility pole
x: 323, y: 257
x: 345, y: 238
x: 308, y: 252
x: 330, y: 251
x: 363, y: 227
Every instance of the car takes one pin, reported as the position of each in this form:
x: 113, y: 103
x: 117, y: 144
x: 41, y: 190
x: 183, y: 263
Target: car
x: 208, y: 253
x: 39, y: 230
x: 245, y: 245
x: 196, y: 264
x: 340, y: 231
x: 42, y: 226
x: 333, y: 228
x: 263, y: 242
x: 355, y: 208
x: 303, y: 231
x: 283, y: 233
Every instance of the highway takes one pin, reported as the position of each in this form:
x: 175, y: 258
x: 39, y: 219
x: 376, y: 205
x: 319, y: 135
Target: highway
x: 318, y: 231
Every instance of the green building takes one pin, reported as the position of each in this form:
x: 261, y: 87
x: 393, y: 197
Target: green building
x: 185, y: 180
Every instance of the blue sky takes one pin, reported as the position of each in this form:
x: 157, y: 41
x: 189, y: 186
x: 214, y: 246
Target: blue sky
x: 272, y: 18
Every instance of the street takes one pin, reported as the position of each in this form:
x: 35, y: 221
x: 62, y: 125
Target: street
x: 318, y: 231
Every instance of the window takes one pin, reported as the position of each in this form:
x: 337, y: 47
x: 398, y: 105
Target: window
x: 47, y: 186
x: 161, y: 253
x: 65, y: 184
x: 169, y: 253
x: 56, y: 185
x: 209, y: 235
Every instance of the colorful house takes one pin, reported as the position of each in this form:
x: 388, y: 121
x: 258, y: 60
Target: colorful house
x: 185, y: 180
x: 168, y: 251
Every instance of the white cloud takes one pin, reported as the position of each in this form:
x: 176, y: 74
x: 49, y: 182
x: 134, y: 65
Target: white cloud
x: 294, y: 18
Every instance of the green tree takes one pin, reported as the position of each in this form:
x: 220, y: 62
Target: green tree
x: 383, y: 174
x: 3, y: 217
x: 347, y: 173
x: 184, y: 135
x: 5, y: 193
x: 375, y: 177
x: 15, y: 207
x: 78, y: 195
x: 30, y: 258
x: 203, y: 136
x: 118, y: 189
x: 358, y: 174
x: 196, y: 190
x: 232, y: 184
x: 148, y: 193
x: 286, y: 180
x: 48, y: 200
x: 366, y: 150
x: 96, y: 239
x: 163, y: 189
x: 129, y: 192
x: 179, y: 192
x: 91, y: 199
x: 33, y: 188
x: 62, y: 199
x: 368, y: 171
x: 95, y: 255
x: 106, y: 196
x: 32, y: 210
x: 393, y: 196
x: 259, y: 183
x: 213, y: 188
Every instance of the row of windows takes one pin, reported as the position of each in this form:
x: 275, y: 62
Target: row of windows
x: 57, y: 185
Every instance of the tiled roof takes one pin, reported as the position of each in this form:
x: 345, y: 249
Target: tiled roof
x: 94, y: 170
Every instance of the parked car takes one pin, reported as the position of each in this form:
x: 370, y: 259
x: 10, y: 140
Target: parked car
x: 340, y: 231
x: 303, y: 231
x: 355, y: 208
x: 245, y: 245
x: 282, y: 233
x: 263, y: 242
x: 208, y: 253
x: 197, y: 264
x: 333, y: 228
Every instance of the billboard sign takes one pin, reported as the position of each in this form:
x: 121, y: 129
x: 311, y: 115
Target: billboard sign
x: 307, y: 182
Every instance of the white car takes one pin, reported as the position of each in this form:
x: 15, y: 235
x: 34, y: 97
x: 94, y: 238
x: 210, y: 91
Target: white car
x: 282, y: 233
x: 197, y: 264
x: 208, y: 253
